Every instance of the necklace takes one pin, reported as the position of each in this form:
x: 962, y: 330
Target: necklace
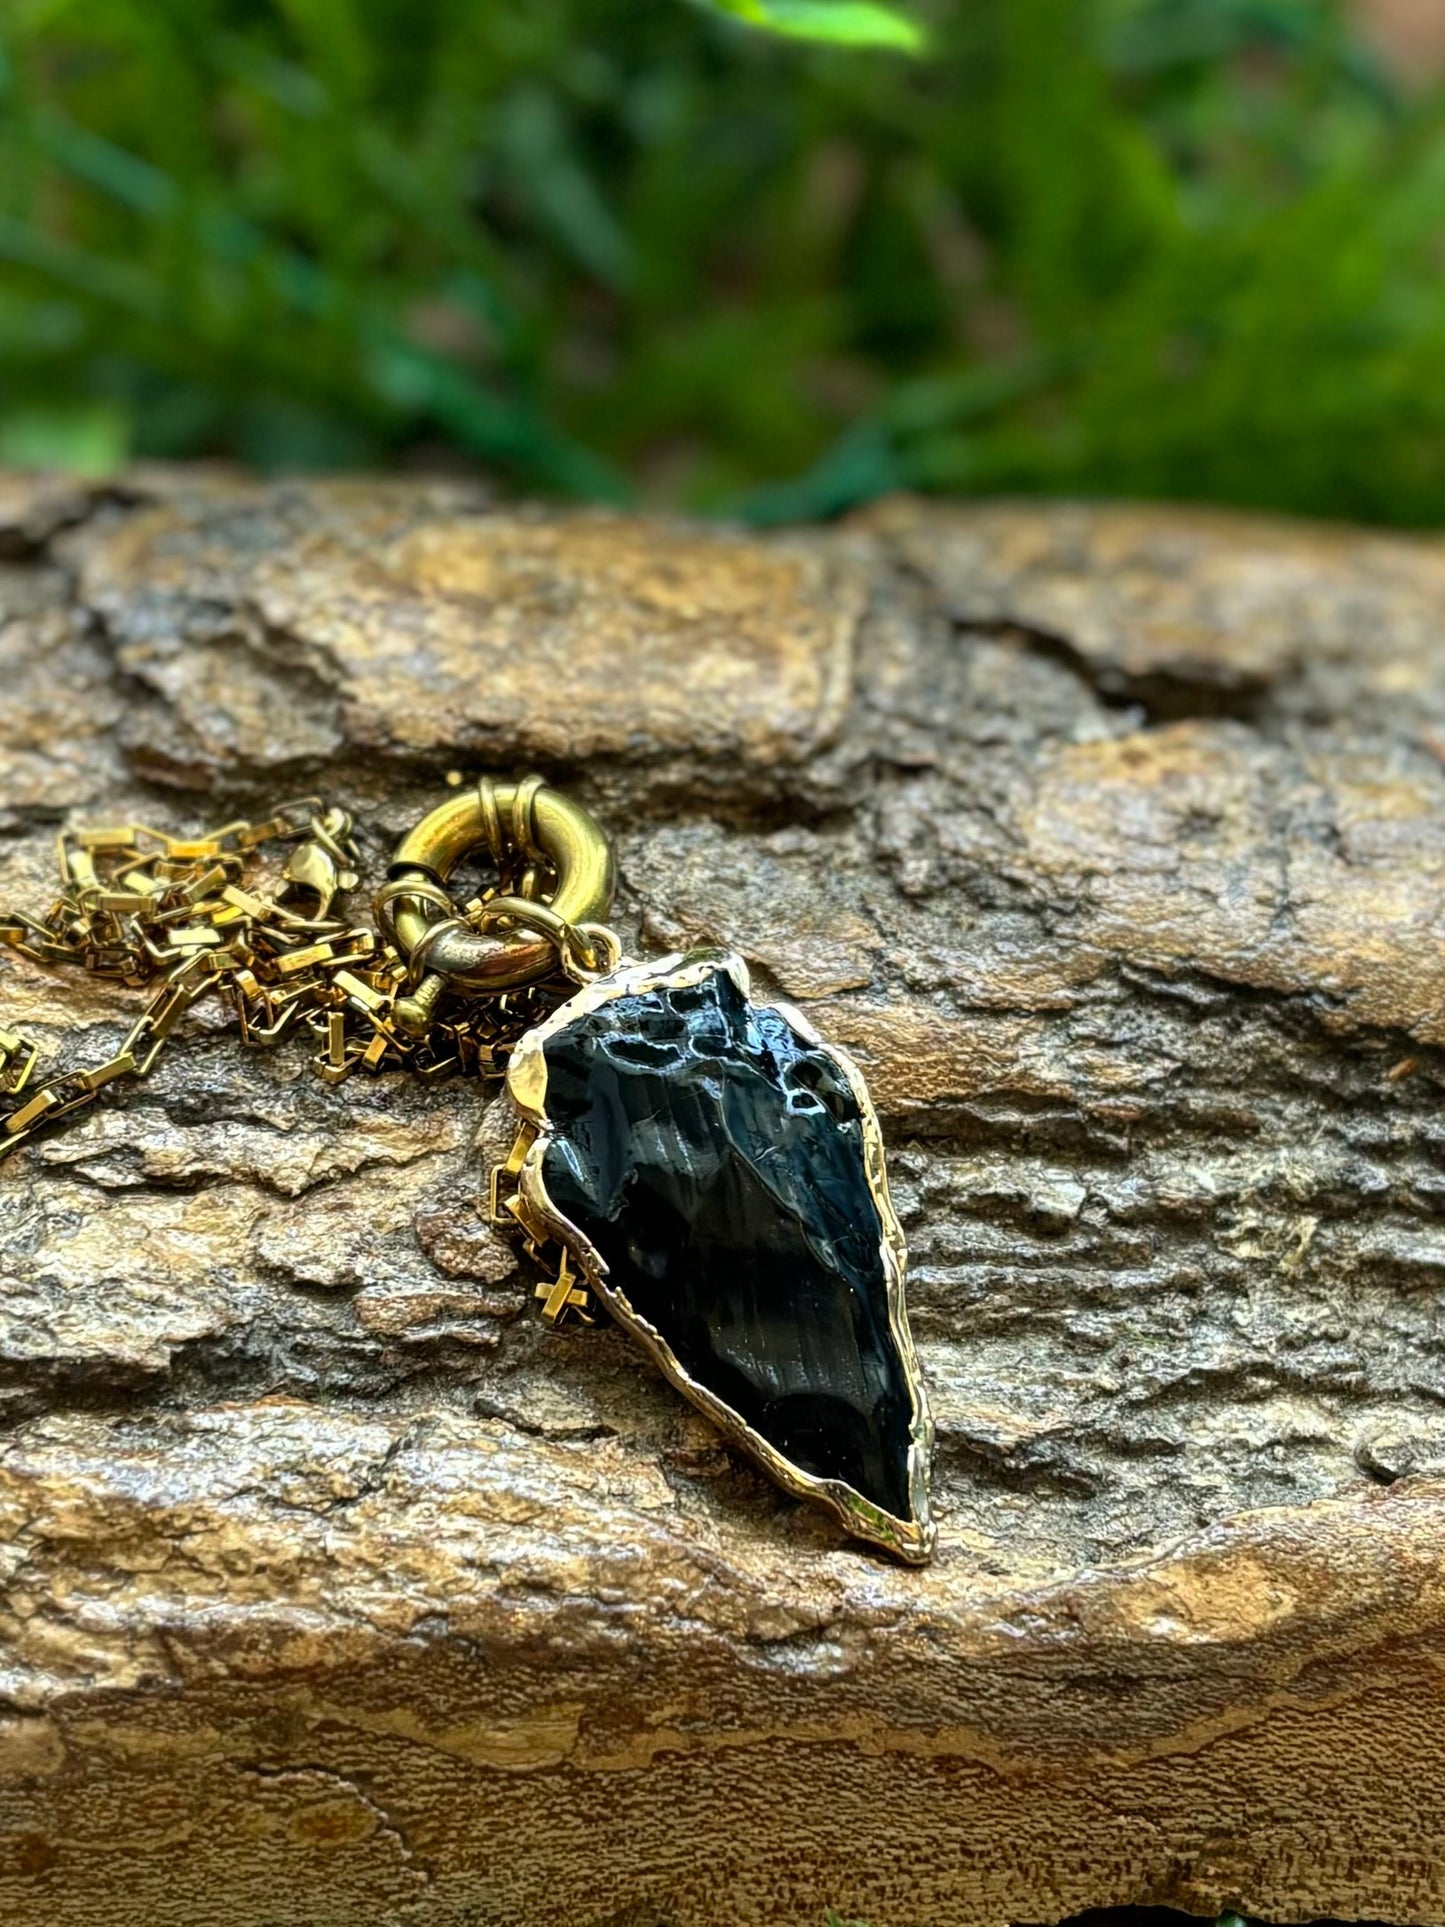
x: 703, y: 1167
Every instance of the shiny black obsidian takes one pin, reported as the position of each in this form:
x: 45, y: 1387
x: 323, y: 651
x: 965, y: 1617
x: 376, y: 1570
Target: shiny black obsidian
x: 715, y: 1160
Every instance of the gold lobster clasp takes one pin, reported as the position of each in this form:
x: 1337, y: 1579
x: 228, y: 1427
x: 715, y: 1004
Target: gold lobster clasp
x: 555, y: 878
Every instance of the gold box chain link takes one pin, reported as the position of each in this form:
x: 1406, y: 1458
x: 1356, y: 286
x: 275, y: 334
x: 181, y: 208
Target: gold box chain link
x: 193, y: 917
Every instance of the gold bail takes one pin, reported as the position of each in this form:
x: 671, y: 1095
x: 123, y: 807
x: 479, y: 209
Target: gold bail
x: 548, y: 850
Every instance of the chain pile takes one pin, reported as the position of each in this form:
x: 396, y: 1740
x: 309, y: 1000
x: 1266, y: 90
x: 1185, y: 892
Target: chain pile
x: 194, y: 916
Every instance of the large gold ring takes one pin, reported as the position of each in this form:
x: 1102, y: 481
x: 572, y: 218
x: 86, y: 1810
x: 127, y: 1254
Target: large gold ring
x: 562, y: 831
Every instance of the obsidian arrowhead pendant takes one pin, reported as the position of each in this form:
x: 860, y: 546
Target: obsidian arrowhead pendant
x: 714, y: 1170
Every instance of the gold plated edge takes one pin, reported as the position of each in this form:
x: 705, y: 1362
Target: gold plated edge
x: 911, y: 1539
x: 894, y: 1249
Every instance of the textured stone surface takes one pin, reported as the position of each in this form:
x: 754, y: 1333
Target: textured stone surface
x: 1113, y: 842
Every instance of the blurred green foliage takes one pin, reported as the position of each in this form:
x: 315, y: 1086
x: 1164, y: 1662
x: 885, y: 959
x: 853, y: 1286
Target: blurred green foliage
x: 632, y: 248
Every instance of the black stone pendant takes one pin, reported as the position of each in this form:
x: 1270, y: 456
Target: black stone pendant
x: 716, y: 1172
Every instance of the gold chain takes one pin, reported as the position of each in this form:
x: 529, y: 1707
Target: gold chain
x: 194, y: 916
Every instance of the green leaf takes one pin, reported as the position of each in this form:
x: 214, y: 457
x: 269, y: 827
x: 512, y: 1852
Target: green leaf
x: 844, y: 23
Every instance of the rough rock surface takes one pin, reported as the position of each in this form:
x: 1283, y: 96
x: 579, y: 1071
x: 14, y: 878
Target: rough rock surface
x: 338, y: 1589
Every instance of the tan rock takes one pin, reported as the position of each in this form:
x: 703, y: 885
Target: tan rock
x: 336, y: 1588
